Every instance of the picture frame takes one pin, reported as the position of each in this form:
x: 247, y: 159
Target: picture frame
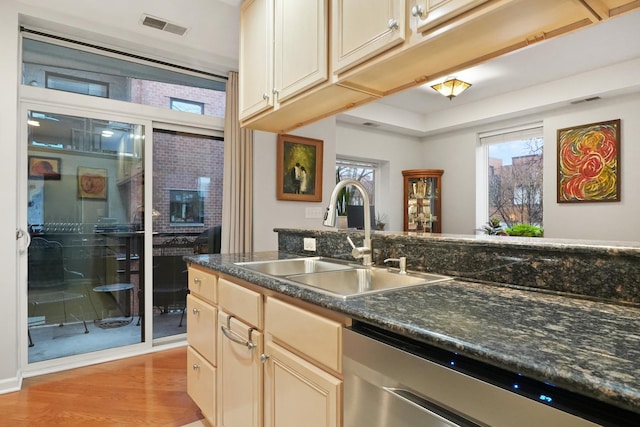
x: 589, y: 163
x: 92, y: 183
x: 299, y: 168
x: 46, y: 168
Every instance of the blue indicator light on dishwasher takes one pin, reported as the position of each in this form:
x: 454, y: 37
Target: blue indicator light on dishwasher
x: 452, y: 363
x: 545, y: 398
x: 516, y: 386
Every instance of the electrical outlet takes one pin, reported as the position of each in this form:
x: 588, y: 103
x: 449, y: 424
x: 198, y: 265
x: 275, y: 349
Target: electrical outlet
x: 309, y: 244
x: 313, y: 213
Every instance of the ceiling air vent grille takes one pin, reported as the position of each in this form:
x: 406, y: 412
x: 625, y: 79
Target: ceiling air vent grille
x: 163, y: 25
x: 580, y: 101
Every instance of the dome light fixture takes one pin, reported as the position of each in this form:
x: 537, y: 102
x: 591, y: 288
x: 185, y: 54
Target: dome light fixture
x: 451, y: 87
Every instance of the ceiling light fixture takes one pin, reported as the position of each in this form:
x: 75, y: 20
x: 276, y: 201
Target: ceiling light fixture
x: 451, y: 87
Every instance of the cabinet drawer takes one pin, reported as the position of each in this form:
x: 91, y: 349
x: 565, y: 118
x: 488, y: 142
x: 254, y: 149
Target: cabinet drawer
x: 310, y: 334
x: 240, y: 302
x: 204, y: 284
x: 201, y: 327
x: 201, y: 380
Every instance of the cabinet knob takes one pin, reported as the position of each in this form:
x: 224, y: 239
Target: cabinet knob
x: 195, y: 311
x: 264, y: 358
x: 418, y: 11
x: 265, y: 96
x: 195, y: 366
x: 197, y: 280
x: 393, y: 24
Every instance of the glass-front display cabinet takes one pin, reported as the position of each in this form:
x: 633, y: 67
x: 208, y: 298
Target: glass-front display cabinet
x: 422, y: 200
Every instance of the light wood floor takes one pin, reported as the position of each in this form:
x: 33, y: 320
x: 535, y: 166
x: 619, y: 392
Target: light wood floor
x: 149, y: 390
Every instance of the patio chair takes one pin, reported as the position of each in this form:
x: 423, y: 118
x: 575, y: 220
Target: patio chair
x: 52, y: 292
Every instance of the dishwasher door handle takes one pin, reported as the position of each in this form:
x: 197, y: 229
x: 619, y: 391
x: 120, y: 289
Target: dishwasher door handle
x: 432, y: 409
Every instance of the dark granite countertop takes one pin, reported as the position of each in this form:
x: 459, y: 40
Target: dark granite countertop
x: 585, y: 346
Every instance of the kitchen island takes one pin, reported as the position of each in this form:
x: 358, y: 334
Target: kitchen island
x: 582, y: 345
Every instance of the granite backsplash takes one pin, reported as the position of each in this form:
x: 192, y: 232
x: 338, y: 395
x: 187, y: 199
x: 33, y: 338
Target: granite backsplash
x: 603, y: 270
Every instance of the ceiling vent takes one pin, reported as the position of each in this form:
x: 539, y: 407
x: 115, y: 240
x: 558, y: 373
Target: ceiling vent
x: 580, y: 101
x: 163, y: 25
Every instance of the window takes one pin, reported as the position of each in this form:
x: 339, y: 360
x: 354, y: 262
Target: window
x: 514, y: 174
x: 187, y: 106
x: 47, y: 63
x: 361, y: 171
x: 186, y: 207
x: 76, y: 85
x: 107, y: 137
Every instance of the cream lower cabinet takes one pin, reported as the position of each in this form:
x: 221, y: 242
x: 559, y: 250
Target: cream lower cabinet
x: 201, y: 354
x: 298, y: 393
x: 303, y: 353
x: 272, y: 363
x: 240, y: 347
x: 240, y: 373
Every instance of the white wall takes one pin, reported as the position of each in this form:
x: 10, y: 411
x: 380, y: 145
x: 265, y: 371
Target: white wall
x: 611, y: 220
x: 9, y: 354
x: 395, y: 153
x: 455, y: 153
x: 268, y: 212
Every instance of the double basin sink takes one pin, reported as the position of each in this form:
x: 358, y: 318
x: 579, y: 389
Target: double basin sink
x: 339, y: 278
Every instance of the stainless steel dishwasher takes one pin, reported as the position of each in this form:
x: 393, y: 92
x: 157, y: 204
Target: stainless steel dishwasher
x: 393, y: 381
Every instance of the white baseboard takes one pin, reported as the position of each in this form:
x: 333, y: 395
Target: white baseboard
x: 9, y: 385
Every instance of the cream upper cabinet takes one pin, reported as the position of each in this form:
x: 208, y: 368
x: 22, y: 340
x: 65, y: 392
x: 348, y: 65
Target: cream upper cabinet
x: 427, y: 14
x: 362, y: 29
x: 255, y: 78
x: 283, y: 51
x: 301, y: 40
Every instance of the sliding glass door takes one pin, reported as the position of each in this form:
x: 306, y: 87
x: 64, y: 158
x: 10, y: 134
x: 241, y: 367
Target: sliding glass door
x: 85, y: 217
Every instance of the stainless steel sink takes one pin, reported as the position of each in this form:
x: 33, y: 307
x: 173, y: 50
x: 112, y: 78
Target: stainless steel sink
x: 288, y: 267
x: 361, y: 281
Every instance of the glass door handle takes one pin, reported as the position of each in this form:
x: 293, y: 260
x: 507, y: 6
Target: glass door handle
x: 21, y: 234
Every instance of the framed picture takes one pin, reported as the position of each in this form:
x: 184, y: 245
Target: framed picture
x: 44, y: 168
x: 299, y: 169
x: 92, y: 183
x: 589, y: 163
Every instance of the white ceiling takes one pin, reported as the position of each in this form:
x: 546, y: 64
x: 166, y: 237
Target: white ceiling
x: 211, y: 44
x: 610, y: 42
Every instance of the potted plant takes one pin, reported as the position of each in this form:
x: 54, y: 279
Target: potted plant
x: 526, y: 230
x: 493, y: 227
x: 343, y: 202
x: 381, y: 221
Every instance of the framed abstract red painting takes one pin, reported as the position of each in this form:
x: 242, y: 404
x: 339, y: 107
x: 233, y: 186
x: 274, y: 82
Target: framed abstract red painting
x: 589, y: 163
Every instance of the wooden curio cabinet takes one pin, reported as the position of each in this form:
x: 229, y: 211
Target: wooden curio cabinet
x: 422, y: 200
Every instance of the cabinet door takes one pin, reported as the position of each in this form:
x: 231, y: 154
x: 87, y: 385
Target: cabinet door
x: 429, y: 13
x: 363, y: 28
x: 423, y: 200
x: 301, y: 40
x: 255, y: 78
x: 298, y: 393
x: 201, y: 327
x: 240, y: 394
x: 201, y: 382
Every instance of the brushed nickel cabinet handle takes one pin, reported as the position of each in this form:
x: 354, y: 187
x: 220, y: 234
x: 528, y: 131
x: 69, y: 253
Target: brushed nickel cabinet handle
x: 227, y: 332
x: 393, y: 24
x: 418, y: 11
